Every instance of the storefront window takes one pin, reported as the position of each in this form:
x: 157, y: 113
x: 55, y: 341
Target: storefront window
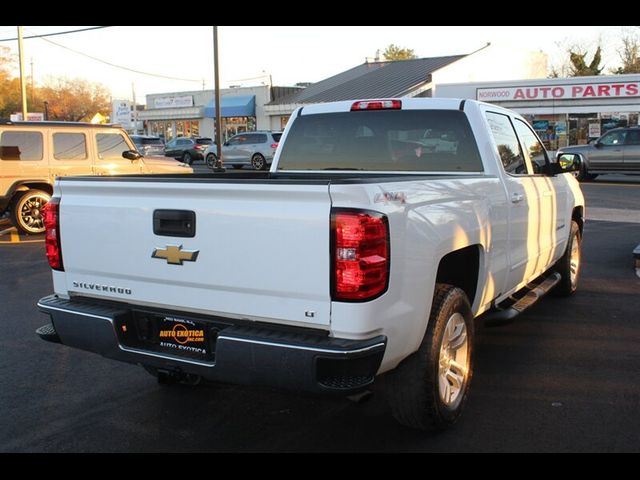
x: 233, y: 125
x: 552, y: 130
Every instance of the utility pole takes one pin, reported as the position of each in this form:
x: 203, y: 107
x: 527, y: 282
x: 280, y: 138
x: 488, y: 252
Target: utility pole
x: 218, y: 166
x: 23, y: 85
x: 135, y: 109
x: 32, y: 96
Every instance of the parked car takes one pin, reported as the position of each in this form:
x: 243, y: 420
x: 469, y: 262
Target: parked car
x: 148, y: 145
x: 617, y: 151
x: 33, y: 154
x: 187, y: 149
x: 250, y: 148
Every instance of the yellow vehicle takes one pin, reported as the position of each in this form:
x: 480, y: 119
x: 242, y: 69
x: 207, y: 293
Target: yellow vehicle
x: 33, y: 154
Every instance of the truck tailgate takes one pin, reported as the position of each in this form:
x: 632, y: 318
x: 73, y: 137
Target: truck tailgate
x: 263, y: 249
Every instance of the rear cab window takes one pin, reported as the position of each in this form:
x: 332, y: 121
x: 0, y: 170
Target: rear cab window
x: 390, y: 140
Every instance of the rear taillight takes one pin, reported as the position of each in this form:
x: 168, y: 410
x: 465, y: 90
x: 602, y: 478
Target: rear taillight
x: 201, y: 147
x: 360, y: 254
x: 376, y: 105
x: 52, y: 233
x: 274, y: 145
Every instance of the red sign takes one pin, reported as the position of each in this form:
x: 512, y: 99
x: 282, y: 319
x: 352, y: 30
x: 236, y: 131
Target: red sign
x: 560, y: 92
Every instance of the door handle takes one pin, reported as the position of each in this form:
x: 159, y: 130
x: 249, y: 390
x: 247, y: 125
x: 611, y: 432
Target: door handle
x: 517, y: 198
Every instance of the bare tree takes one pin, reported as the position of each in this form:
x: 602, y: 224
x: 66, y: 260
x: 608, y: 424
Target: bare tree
x: 629, y: 55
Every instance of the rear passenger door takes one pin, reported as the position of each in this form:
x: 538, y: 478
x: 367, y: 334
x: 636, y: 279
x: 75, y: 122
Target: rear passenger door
x: 109, y: 161
x: 70, y: 155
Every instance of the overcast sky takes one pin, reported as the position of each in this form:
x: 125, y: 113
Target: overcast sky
x: 248, y: 55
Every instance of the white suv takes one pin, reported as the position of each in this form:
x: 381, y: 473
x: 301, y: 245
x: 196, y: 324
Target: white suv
x: 249, y: 148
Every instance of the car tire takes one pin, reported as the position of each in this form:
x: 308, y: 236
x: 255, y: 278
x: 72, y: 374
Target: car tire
x: 584, y: 175
x: 258, y: 162
x: 186, y: 158
x: 569, y: 265
x: 26, y: 211
x: 429, y: 389
x: 211, y: 160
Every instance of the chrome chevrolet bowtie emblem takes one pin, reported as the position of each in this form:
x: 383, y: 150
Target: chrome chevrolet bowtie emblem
x: 174, y: 254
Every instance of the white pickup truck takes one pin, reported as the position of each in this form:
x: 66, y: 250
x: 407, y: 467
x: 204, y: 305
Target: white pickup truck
x: 362, y: 251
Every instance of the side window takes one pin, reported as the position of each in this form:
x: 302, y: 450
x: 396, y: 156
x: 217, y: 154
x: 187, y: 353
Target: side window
x: 250, y: 139
x: 69, y: 146
x: 259, y: 138
x: 16, y: 145
x: 614, y: 138
x: 238, y: 140
x: 111, y: 145
x: 633, y: 137
x: 507, y: 142
x: 532, y: 146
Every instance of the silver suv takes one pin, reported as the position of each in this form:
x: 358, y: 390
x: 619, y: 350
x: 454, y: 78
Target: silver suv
x: 617, y: 151
x: 248, y: 148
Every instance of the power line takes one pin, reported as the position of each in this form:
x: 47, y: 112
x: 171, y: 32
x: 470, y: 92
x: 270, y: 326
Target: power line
x: 121, y: 66
x: 55, y: 33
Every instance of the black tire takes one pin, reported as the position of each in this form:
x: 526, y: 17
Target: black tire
x: 258, y: 162
x: 187, y: 158
x: 584, y: 175
x: 211, y: 160
x: 26, y: 211
x: 568, y: 283
x: 415, y: 386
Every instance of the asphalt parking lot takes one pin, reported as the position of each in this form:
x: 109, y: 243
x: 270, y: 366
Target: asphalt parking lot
x: 564, y: 377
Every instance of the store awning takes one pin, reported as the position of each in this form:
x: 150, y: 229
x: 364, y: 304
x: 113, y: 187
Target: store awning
x: 239, y: 106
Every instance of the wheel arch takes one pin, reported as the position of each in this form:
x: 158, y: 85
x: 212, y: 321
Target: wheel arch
x: 461, y: 268
x: 25, y: 185
x: 577, y: 215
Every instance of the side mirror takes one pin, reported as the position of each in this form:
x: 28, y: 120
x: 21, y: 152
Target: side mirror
x: 225, y: 144
x: 131, y: 155
x: 597, y: 143
x: 567, y: 162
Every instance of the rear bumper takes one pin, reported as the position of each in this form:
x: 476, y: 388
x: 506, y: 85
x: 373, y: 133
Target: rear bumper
x: 244, y: 354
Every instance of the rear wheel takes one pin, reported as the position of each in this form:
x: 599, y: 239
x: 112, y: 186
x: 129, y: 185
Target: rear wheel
x: 258, y: 162
x: 211, y: 160
x: 429, y: 389
x: 26, y: 211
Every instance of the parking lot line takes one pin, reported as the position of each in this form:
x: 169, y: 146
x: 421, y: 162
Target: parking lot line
x: 15, y: 238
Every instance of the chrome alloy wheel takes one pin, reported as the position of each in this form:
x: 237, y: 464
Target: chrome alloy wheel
x: 30, y: 213
x: 574, y: 262
x: 453, y: 365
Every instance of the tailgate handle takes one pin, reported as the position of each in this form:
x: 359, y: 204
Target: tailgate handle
x: 174, y: 223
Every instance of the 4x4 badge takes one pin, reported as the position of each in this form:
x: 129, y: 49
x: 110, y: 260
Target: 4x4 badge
x: 174, y: 254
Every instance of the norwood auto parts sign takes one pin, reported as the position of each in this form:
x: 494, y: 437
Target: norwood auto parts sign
x: 560, y: 92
